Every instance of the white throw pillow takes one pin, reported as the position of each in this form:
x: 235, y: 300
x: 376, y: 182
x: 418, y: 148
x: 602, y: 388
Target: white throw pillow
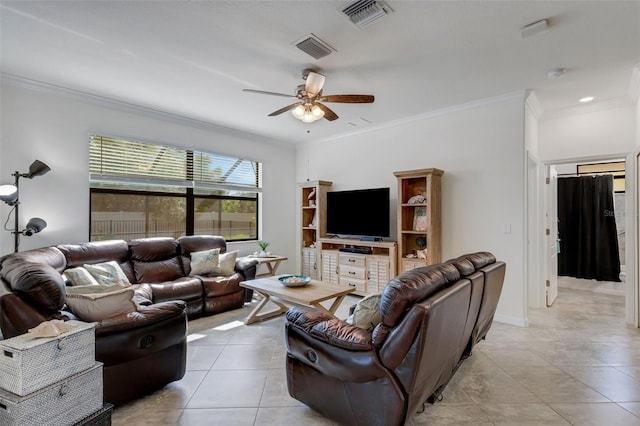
x: 205, y: 262
x: 228, y: 263
x: 97, y: 302
x: 366, y: 314
x: 79, y: 276
x: 108, y: 273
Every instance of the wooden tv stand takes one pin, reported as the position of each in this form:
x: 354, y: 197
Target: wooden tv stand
x: 368, y: 268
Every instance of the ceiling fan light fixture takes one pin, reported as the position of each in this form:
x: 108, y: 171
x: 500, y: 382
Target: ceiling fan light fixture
x: 298, y: 112
x: 317, y: 112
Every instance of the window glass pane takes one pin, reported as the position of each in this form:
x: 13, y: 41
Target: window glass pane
x: 128, y: 216
x: 234, y: 219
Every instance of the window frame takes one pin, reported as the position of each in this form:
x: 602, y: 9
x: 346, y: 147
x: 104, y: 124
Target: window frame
x: 191, y: 189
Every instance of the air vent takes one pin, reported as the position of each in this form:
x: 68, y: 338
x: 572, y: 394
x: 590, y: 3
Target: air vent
x: 313, y: 46
x: 364, y: 12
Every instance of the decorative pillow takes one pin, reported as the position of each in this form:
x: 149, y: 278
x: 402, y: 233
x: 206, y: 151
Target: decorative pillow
x: 228, y: 262
x: 367, y: 312
x: 108, y: 273
x: 205, y: 262
x: 97, y: 302
x: 79, y: 276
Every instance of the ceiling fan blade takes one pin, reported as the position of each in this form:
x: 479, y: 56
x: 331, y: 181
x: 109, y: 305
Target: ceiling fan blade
x: 285, y: 109
x: 328, y: 113
x: 348, y: 99
x: 262, y: 92
x: 314, y: 83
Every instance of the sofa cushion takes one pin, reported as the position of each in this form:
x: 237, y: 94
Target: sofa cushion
x: 97, y: 302
x: 155, y: 260
x: 205, y: 262
x: 218, y: 285
x: 193, y: 243
x: 185, y: 288
x: 108, y: 273
x: 79, y: 276
x: 98, y: 252
x: 411, y: 287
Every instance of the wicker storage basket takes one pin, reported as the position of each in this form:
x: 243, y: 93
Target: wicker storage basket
x: 28, y: 364
x: 60, y: 404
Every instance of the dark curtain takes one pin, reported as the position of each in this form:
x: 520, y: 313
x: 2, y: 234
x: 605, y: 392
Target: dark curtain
x: 587, y: 228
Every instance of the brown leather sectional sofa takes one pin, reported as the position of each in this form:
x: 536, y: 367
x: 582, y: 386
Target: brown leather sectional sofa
x: 431, y: 318
x: 143, y: 350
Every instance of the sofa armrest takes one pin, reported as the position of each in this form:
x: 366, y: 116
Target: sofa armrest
x: 332, y: 346
x: 246, y: 267
x: 144, y: 316
x: 17, y: 316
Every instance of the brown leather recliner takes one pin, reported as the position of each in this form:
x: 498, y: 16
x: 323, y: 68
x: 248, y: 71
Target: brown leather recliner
x: 357, y: 377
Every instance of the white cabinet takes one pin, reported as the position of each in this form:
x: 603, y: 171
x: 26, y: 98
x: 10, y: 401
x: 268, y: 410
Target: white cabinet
x: 368, y: 272
x: 330, y: 266
x: 310, y: 263
x: 377, y: 273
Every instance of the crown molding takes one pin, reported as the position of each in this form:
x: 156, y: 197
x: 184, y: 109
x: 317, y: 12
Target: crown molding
x: 622, y: 102
x: 430, y: 114
x: 102, y: 101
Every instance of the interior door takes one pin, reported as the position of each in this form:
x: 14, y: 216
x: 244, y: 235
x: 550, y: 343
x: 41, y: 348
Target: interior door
x: 552, y: 242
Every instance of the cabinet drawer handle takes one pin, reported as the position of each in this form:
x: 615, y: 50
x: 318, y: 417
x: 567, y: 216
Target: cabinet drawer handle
x: 352, y: 273
x: 352, y: 285
x: 351, y: 260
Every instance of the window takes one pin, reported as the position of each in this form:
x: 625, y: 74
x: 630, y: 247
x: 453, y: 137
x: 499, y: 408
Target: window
x: 144, y: 190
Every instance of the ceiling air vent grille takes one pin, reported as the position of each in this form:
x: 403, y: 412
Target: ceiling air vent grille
x: 313, y: 46
x: 364, y: 12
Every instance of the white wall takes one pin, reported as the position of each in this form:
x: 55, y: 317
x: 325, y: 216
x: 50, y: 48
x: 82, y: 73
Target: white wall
x: 53, y: 126
x: 480, y: 147
x: 587, y: 133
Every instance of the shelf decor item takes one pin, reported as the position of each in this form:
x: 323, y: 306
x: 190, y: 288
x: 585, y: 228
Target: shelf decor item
x: 420, y: 219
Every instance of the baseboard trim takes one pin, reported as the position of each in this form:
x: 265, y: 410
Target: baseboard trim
x: 505, y: 319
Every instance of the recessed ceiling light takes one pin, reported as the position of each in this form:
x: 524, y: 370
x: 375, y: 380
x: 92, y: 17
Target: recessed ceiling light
x: 586, y: 99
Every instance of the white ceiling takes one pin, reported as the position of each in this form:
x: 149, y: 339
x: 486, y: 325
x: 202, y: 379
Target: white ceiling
x: 193, y: 58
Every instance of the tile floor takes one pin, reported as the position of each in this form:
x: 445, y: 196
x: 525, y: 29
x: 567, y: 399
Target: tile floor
x: 577, y: 364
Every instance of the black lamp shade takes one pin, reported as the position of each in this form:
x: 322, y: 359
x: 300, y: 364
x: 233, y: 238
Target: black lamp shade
x: 37, y: 168
x: 34, y: 226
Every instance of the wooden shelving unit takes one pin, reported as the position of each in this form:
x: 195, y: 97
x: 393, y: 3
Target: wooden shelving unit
x: 313, y: 197
x: 419, y: 207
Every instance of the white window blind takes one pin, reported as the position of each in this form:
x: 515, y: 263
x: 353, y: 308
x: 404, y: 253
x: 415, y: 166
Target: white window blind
x: 117, y: 160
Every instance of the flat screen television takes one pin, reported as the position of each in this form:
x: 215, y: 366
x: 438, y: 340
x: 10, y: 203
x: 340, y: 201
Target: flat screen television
x: 358, y: 213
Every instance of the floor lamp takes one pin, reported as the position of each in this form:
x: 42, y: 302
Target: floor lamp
x: 10, y: 194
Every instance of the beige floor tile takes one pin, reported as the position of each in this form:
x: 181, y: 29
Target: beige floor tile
x: 230, y: 389
x: 571, y: 366
x: 596, y: 414
x: 218, y: 417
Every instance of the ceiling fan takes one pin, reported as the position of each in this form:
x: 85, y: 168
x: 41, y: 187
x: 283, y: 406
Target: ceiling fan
x: 309, y: 106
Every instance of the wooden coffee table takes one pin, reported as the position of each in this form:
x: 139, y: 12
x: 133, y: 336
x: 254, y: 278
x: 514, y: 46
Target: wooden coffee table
x: 309, y: 295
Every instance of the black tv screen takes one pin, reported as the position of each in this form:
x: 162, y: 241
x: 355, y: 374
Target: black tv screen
x: 358, y: 213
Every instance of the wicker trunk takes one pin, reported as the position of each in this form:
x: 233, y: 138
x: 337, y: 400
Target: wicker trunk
x: 63, y: 403
x: 28, y: 364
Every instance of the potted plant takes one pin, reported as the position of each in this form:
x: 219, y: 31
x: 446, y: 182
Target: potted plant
x: 263, y: 247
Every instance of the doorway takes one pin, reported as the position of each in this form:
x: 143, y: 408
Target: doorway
x: 617, y: 167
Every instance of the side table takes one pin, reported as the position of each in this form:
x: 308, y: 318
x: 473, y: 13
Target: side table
x: 272, y: 263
